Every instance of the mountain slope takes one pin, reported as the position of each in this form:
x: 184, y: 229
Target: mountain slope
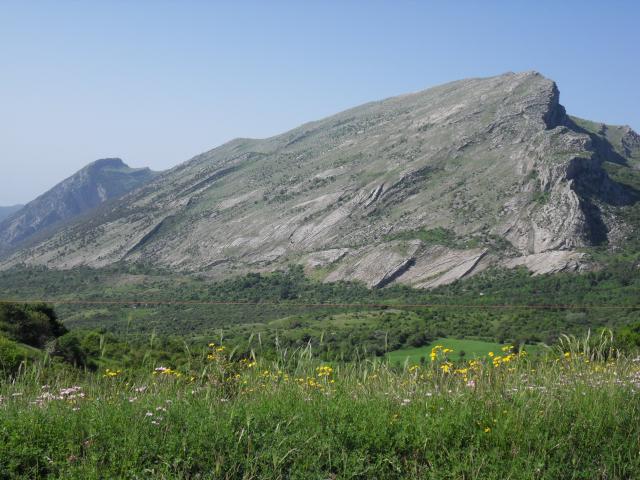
x: 96, y: 183
x: 422, y: 189
x: 7, y: 211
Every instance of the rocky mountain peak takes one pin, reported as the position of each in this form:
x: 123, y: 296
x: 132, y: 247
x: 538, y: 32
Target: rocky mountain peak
x: 630, y: 142
x: 100, y: 181
x: 107, y: 163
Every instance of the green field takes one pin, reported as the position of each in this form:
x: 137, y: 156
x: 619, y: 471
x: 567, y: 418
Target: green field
x: 463, y: 349
x: 471, y: 348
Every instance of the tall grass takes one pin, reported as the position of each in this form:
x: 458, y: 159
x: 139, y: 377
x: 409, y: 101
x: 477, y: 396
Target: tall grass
x: 572, y: 414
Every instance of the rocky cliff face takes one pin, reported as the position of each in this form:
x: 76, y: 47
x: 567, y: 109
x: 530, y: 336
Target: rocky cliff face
x: 102, y: 180
x: 421, y: 189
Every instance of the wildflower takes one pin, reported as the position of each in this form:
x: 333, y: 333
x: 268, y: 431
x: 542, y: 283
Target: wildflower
x: 446, y: 367
x: 491, y: 354
x: 166, y: 371
x: 435, y: 351
x: 475, y: 364
x: 487, y: 429
x: 111, y: 373
x: 71, y: 393
x: 324, y: 371
x: 248, y: 363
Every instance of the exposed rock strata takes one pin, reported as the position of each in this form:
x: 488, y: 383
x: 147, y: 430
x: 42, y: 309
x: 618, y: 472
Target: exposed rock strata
x: 494, y: 161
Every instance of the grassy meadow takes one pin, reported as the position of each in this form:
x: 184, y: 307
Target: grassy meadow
x: 462, y: 348
x: 570, y: 413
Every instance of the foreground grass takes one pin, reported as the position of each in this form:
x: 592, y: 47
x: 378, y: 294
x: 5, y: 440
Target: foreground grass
x: 568, y: 416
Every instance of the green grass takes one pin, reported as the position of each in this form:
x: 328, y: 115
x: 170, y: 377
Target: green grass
x: 433, y: 236
x: 471, y: 349
x: 570, y: 417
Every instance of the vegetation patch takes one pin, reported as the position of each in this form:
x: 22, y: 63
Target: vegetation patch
x: 433, y: 236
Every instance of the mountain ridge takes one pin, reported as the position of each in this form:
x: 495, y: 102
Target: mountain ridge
x: 98, y: 182
x: 9, y: 210
x: 496, y: 163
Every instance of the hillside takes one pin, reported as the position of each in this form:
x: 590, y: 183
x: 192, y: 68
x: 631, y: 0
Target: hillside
x: 420, y: 189
x: 6, y: 211
x: 98, y: 182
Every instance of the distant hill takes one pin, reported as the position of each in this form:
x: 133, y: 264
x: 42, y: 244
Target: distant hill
x: 7, y: 211
x: 420, y: 189
x: 98, y: 182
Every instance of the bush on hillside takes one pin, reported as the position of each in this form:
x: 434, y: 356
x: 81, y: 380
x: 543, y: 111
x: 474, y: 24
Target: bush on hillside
x: 11, y: 356
x: 33, y: 325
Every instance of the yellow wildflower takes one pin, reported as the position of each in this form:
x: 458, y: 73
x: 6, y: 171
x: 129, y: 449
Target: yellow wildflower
x: 446, y: 367
x: 324, y: 371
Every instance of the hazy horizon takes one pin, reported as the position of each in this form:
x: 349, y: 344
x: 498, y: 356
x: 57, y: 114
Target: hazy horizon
x: 155, y: 83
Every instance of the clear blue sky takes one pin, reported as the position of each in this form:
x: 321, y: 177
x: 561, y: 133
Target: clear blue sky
x: 157, y: 82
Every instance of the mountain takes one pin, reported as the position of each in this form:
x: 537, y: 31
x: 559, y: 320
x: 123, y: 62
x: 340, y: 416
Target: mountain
x: 102, y: 180
x: 421, y: 189
x: 6, y: 211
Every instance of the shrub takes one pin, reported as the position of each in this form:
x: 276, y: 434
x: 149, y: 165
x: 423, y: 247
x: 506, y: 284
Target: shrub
x: 11, y: 356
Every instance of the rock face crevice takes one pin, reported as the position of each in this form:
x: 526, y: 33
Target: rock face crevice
x: 421, y: 189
